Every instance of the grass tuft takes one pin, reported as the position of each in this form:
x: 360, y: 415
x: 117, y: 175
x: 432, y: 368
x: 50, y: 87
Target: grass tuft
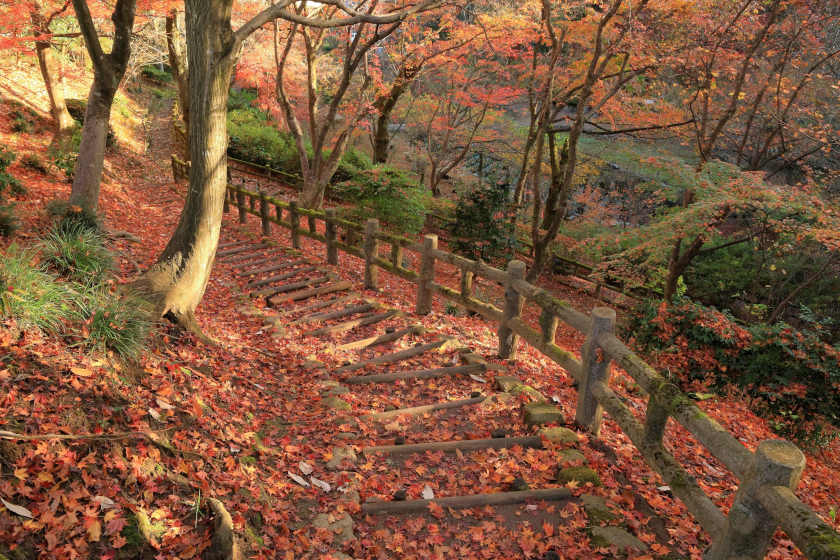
x: 119, y: 322
x: 77, y: 252
x: 30, y: 295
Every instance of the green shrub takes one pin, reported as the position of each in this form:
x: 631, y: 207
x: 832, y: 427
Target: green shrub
x: 21, y: 121
x: 7, y: 182
x: 77, y: 252
x: 29, y: 294
x: 756, y: 277
x: 242, y: 99
x: 65, y: 153
x: 34, y: 162
x: 254, y: 139
x: 792, y: 375
x: 687, y: 339
x: 483, y: 226
x: 154, y: 74
x: 351, y: 164
x: 387, y: 194
x: 160, y: 93
x: 119, y: 322
x: 8, y: 222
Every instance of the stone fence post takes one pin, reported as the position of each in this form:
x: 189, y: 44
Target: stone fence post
x: 427, y: 275
x: 595, y: 368
x: 513, y: 308
x: 750, y: 527
x: 371, y: 249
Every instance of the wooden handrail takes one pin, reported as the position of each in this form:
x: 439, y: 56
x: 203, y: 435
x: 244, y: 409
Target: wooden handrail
x: 767, y: 477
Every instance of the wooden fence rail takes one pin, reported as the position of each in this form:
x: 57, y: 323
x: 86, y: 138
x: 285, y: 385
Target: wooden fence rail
x: 768, y: 476
x: 524, y: 246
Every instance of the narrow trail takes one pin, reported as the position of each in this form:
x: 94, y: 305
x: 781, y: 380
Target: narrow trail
x: 429, y: 429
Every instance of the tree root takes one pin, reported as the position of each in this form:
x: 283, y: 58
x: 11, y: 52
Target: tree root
x: 188, y: 322
x: 224, y: 545
x: 116, y: 436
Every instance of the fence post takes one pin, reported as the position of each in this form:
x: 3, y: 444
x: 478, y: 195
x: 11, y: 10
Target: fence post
x: 313, y: 226
x: 329, y: 229
x: 427, y: 275
x: 294, y: 220
x: 278, y: 211
x: 397, y: 255
x: 226, y: 208
x: 513, y: 307
x: 266, y: 225
x: 371, y: 248
x: 656, y: 414
x: 595, y: 368
x: 750, y: 526
x: 466, y: 283
x: 252, y: 202
x: 240, y: 202
x: 548, y: 326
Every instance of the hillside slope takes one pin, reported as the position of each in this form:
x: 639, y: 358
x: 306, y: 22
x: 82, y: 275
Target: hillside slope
x: 143, y: 446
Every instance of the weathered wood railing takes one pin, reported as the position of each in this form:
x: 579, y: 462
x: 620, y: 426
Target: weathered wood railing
x: 524, y: 246
x: 768, y: 476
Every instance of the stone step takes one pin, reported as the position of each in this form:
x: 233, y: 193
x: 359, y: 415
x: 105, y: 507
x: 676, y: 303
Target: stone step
x: 461, y: 445
x: 470, y: 501
x: 416, y: 374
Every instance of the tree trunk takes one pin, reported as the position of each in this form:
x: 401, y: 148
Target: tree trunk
x: 178, y: 279
x: 178, y: 63
x: 556, y: 183
x: 312, y: 193
x: 385, y: 105
x: 678, y: 264
x: 381, y: 137
x: 434, y: 179
x: 87, y: 176
x: 62, y: 119
x: 108, y: 71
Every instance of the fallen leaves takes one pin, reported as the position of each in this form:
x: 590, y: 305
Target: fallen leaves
x: 16, y: 509
x: 81, y: 372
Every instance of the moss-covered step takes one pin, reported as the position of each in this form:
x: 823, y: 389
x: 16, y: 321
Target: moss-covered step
x: 539, y: 413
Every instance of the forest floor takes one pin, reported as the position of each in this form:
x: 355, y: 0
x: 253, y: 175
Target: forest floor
x: 235, y: 421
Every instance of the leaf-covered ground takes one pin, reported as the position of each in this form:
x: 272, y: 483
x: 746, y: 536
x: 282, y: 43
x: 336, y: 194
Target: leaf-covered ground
x: 191, y: 421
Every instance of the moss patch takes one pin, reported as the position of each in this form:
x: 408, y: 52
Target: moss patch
x: 580, y: 474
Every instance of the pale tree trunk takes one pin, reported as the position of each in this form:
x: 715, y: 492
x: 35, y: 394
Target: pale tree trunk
x: 108, y: 71
x: 178, y: 64
x: 87, y: 176
x: 62, y: 120
x: 178, y: 279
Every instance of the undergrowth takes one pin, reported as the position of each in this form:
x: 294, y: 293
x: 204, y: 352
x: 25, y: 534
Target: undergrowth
x: 77, y: 252
x: 64, y: 287
x: 387, y: 194
x: 791, y: 375
x: 30, y: 294
x: 8, y: 222
x: 65, y: 153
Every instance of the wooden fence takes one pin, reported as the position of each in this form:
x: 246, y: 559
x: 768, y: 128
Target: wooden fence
x: 562, y: 264
x: 765, y: 499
